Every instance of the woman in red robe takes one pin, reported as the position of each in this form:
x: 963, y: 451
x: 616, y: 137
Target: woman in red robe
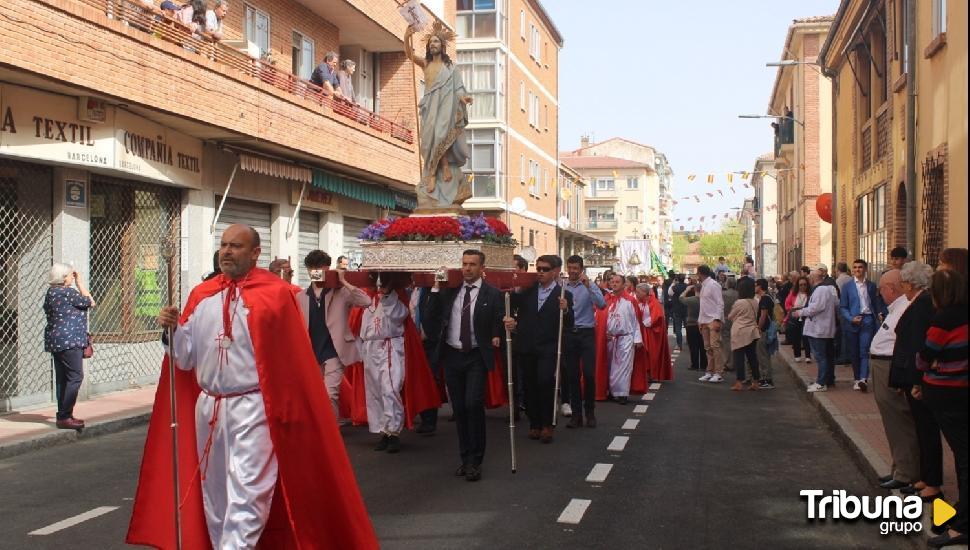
x: 654, y: 327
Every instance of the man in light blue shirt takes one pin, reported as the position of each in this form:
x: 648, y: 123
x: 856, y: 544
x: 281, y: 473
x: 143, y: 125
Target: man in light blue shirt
x: 579, y: 345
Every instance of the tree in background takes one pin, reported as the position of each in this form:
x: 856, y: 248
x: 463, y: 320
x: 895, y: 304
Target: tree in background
x: 727, y: 242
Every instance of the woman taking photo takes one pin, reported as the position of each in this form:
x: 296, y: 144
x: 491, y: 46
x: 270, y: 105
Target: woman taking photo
x: 65, y: 337
x: 797, y: 299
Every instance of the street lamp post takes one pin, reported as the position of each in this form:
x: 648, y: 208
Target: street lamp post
x: 785, y: 117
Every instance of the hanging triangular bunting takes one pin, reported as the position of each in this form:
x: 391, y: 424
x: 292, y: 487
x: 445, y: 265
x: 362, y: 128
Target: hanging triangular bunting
x: 710, y: 179
x: 730, y: 178
x: 689, y: 178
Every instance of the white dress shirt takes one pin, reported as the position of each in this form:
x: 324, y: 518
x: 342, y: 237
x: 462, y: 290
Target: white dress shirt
x: 454, y: 327
x: 884, y: 342
x: 864, y: 306
x: 712, y: 302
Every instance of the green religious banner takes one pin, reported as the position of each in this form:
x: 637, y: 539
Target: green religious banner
x: 656, y: 264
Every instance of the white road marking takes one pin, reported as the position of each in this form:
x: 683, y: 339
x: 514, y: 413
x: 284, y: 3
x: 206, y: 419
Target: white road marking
x: 640, y: 409
x: 655, y: 386
x: 70, y: 522
x: 598, y: 473
x: 573, y: 512
x: 619, y: 443
x: 649, y: 396
x: 630, y: 424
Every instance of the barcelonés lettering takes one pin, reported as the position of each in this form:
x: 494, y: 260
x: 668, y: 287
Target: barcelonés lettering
x: 156, y: 150
x: 59, y: 130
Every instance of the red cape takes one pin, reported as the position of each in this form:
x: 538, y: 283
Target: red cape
x: 640, y: 378
x: 602, y: 359
x: 317, y: 503
x: 420, y: 390
x: 655, y: 342
x: 496, y: 390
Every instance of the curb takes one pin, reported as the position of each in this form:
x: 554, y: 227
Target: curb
x: 61, y: 437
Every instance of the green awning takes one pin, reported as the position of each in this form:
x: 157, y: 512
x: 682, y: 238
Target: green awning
x: 363, y: 192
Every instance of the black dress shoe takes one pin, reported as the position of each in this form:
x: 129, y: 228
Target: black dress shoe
x: 473, y: 472
x: 893, y: 484
x: 382, y: 444
x: 909, y: 490
x: 946, y: 540
x: 394, y: 444
x: 575, y: 422
x: 885, y: 478
x: 461, y: 470
x: 424, y: 429
x: 623, y: 400
x: 590, y: 420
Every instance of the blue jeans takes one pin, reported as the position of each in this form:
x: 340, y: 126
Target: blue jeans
x: 858, y: 349
x: 823, y: 350
x: 678, y: 333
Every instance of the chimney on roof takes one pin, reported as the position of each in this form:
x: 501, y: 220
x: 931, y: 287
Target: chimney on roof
x: 584, y: 140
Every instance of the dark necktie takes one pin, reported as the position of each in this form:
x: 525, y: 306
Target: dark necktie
x: 465, y: 332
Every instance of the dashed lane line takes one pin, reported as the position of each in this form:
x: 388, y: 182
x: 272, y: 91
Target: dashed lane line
x: 72, y: 521
x: 573, y: 512
x: 599, y: 473
x: 619, y: 443
x: 655, y: 386
x: 640, y: 409
x: 630, y: 424
x: 649, y: 396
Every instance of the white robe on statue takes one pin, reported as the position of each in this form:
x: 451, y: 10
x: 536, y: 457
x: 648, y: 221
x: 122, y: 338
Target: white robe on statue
x: 382, y: 351
x: 622, y: 334
x: 239, y: 473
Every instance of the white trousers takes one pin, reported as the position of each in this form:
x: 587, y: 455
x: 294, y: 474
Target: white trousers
x: 384, y: 377
x: 619, y: 350
x: 239, y: 473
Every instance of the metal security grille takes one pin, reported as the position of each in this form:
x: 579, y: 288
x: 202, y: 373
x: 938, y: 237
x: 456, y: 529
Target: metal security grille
x: 309, y: 239
x: 25, y: 260
x: 254, y: 214
x: 130, y: 221
x: 934, y: 209
x: 352, y: 249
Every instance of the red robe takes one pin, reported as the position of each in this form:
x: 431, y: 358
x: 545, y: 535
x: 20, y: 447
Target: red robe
x: 602, y: 358
x: 655, y: 341
x: 641, y: 377
x: 317, y: 503
x: 420, y: 390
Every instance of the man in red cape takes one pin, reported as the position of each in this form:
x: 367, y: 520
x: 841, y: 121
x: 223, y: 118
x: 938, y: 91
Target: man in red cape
x: 653, y: 324
x: 315, y: 499
x: 602, y: 355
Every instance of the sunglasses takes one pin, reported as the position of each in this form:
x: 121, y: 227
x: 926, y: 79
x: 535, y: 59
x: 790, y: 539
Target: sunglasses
x: 543, y: 269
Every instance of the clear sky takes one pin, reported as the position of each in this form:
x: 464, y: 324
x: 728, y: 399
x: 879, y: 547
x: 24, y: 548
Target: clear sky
x: 675, y: 75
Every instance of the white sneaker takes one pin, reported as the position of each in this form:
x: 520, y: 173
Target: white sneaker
x: 815, y: 387
x: 716, y: 378
x: 566, y: 410
x: 855, y: 386
x: 798, y: 359
x: 808, y: 359
x: 705, y: 378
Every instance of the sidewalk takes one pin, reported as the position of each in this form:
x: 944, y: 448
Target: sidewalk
x: 23, y: 431
x: 855, y: 420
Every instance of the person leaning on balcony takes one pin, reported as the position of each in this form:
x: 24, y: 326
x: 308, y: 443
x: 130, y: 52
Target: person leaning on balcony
x: 346, y: 84
x: 325, y: 75
x: 214, y: 17
x: 65, y: 337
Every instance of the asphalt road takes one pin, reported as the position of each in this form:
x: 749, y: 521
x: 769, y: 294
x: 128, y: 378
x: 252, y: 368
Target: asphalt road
x: 705, y: 468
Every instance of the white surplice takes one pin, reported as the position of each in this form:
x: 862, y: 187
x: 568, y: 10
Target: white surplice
x: 623, y: 333
x: 239, y: 473
x: 382, y: 351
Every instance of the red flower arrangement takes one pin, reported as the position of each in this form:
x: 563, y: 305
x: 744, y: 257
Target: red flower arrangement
x: 498, y: 226
x: 423, y: 229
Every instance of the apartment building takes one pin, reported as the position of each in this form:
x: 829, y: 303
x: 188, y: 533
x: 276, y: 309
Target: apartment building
x: 123, y: 130
x: 899, y: 73
x: 764, y: 181
x: 628, y: 192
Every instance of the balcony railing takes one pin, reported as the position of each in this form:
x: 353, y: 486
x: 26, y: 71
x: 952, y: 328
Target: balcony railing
x: 602, y: 194
x: 784, y: 134
x: 156, y: 23
x: 601, y: 224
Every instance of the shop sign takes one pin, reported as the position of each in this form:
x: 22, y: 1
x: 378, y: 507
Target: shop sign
x: 152, y: 150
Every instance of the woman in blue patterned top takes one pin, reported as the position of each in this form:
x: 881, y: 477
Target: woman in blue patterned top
x: 65, y: 337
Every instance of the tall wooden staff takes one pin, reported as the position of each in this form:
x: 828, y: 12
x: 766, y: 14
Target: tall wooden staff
x: 168, y: 253
x: 555, y: 397
x: 508, y: 362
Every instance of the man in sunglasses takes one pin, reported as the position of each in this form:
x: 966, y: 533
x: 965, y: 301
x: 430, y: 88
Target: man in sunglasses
x: 536, y: 340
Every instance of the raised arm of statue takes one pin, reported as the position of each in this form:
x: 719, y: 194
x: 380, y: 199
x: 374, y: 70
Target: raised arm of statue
x: 409, y: 48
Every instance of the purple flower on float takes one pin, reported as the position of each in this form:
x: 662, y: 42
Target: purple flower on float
x: 474, y: 227
x: 376, y: 230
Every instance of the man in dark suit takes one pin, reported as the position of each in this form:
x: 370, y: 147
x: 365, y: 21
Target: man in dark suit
x: 861, y: 309
x: 470, y: 324
x: 536, y: 337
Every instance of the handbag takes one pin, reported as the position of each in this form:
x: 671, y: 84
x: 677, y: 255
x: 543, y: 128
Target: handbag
x: 88, y: 349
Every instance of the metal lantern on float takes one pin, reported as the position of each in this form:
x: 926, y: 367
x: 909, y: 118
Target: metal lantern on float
x: 823, y: 205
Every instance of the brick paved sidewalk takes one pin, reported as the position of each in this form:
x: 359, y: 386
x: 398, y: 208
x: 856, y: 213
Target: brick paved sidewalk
x: 854, y: 417
x: 21, y: 431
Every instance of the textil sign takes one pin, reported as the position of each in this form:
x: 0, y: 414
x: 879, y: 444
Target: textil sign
x: 45, y: 126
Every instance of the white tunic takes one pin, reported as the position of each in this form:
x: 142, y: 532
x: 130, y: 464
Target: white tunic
x: 239, y: 473
x: 382, y: 351
x: 623, y: 333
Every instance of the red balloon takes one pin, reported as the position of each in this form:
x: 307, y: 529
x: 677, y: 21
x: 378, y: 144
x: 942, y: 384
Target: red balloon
x: 823, y: 205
